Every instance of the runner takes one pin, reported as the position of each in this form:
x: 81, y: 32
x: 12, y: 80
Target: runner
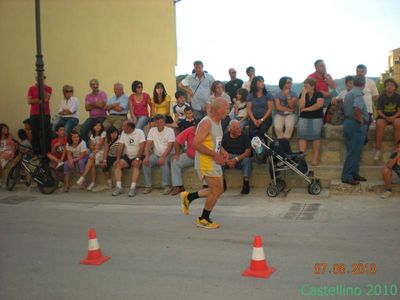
x: 208, y: 161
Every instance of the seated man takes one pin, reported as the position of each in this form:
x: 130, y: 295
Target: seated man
x: 237, y: 145
x: 95, y: 103
x: 391, y: 173
x: 161, y: 139
x: 388, y: 114
x: 131, y: 143
x: 117, y: 108
x: 182, y: 160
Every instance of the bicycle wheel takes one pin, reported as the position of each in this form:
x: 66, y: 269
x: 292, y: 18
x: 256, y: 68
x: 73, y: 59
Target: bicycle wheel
x: 13, y: 177
x: 50, y: 181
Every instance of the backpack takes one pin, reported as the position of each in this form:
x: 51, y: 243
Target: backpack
x: 334, y: 114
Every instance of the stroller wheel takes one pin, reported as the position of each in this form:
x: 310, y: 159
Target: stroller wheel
x: 280, y: 184
x: 272, y: 190
x: 315, y: 188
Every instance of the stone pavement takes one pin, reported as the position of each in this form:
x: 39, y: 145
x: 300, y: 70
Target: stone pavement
x: 156, y: 252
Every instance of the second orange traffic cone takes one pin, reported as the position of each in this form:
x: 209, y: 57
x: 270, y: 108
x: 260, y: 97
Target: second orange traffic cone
x: 258, y: 265
x: 94, y: 256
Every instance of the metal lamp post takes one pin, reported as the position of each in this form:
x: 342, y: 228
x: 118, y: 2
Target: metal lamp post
x: 39, y: 71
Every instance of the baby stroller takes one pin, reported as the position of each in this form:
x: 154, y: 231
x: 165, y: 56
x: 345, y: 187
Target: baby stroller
x: 281, y: 159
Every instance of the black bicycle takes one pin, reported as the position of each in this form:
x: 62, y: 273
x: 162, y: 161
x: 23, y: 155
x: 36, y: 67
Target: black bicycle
x: 29, y: 167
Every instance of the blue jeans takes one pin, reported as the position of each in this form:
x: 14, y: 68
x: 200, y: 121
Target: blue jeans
x: 68, y: 123
x: 354, y: 136
x: 141, y: 122
x: 245, y: 165
x: 184, y: 161
x: 165, y: 170
x: 87, y: 126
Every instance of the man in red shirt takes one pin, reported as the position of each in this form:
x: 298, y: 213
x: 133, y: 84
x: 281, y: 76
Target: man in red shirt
x: 34, y: 102
x: 324, y: 81
x: 182, y: 160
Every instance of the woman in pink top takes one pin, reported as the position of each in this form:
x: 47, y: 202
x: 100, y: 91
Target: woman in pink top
x: 138, y: 105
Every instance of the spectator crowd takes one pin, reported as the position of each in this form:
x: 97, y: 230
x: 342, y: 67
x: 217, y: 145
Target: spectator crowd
x: 142, y: 131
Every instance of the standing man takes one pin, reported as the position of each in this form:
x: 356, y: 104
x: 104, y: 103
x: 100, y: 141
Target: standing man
x: 238, y: 147
x: 198, y: 86
x: 370, y: 95
x: 161, y: 140
x: 324, y: 81
x: 129, y: 155
x: 34, y: 102
x: 355, y: 130
x: 370, y: 91
x: 95, y: 103
x: 117, y: 107
x: 233, y: 85
x: 208, y: 162
x: 251, y: 72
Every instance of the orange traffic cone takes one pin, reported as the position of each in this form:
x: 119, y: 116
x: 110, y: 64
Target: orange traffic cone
x: 258, y: 265
x: 94, y: 256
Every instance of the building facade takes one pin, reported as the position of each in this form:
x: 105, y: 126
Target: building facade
x: 113, y: 41
x: 393, y: 70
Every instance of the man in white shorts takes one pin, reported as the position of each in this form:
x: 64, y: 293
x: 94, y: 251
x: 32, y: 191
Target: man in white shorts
x: 208, y: 162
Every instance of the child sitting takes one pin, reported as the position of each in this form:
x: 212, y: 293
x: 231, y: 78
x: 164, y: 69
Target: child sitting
x: 240, y: 107
x: 179, y: 107
x: 110, y: 153
x: 77, y: 155
x: 7, y: 147
x: 24, y: 146
x: 188, y: 121
x: 58, y: 147
x: 96, y: 146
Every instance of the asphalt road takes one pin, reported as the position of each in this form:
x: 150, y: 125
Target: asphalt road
x: 157, y: 253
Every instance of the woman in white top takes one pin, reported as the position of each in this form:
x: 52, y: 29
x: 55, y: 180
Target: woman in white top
x: 77, y: 156
x: 68, y: 114
x: 96, y: 147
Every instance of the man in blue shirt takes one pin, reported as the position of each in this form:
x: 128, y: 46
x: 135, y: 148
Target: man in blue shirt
x: 198, y: 86
x: 117, y: 108
x: 355, y: 129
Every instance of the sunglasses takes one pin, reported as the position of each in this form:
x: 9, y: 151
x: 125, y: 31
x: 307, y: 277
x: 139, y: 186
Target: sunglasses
x: 68, y: 91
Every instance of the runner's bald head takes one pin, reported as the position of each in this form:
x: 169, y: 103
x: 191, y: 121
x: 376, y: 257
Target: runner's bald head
x: 218, y: 103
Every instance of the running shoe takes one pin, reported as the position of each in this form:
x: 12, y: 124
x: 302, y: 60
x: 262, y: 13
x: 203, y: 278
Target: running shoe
x: 185, y: 202
x: 206, y: 224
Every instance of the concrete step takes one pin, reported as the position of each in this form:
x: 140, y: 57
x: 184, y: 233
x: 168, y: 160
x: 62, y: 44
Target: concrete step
x: 370, y: 186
